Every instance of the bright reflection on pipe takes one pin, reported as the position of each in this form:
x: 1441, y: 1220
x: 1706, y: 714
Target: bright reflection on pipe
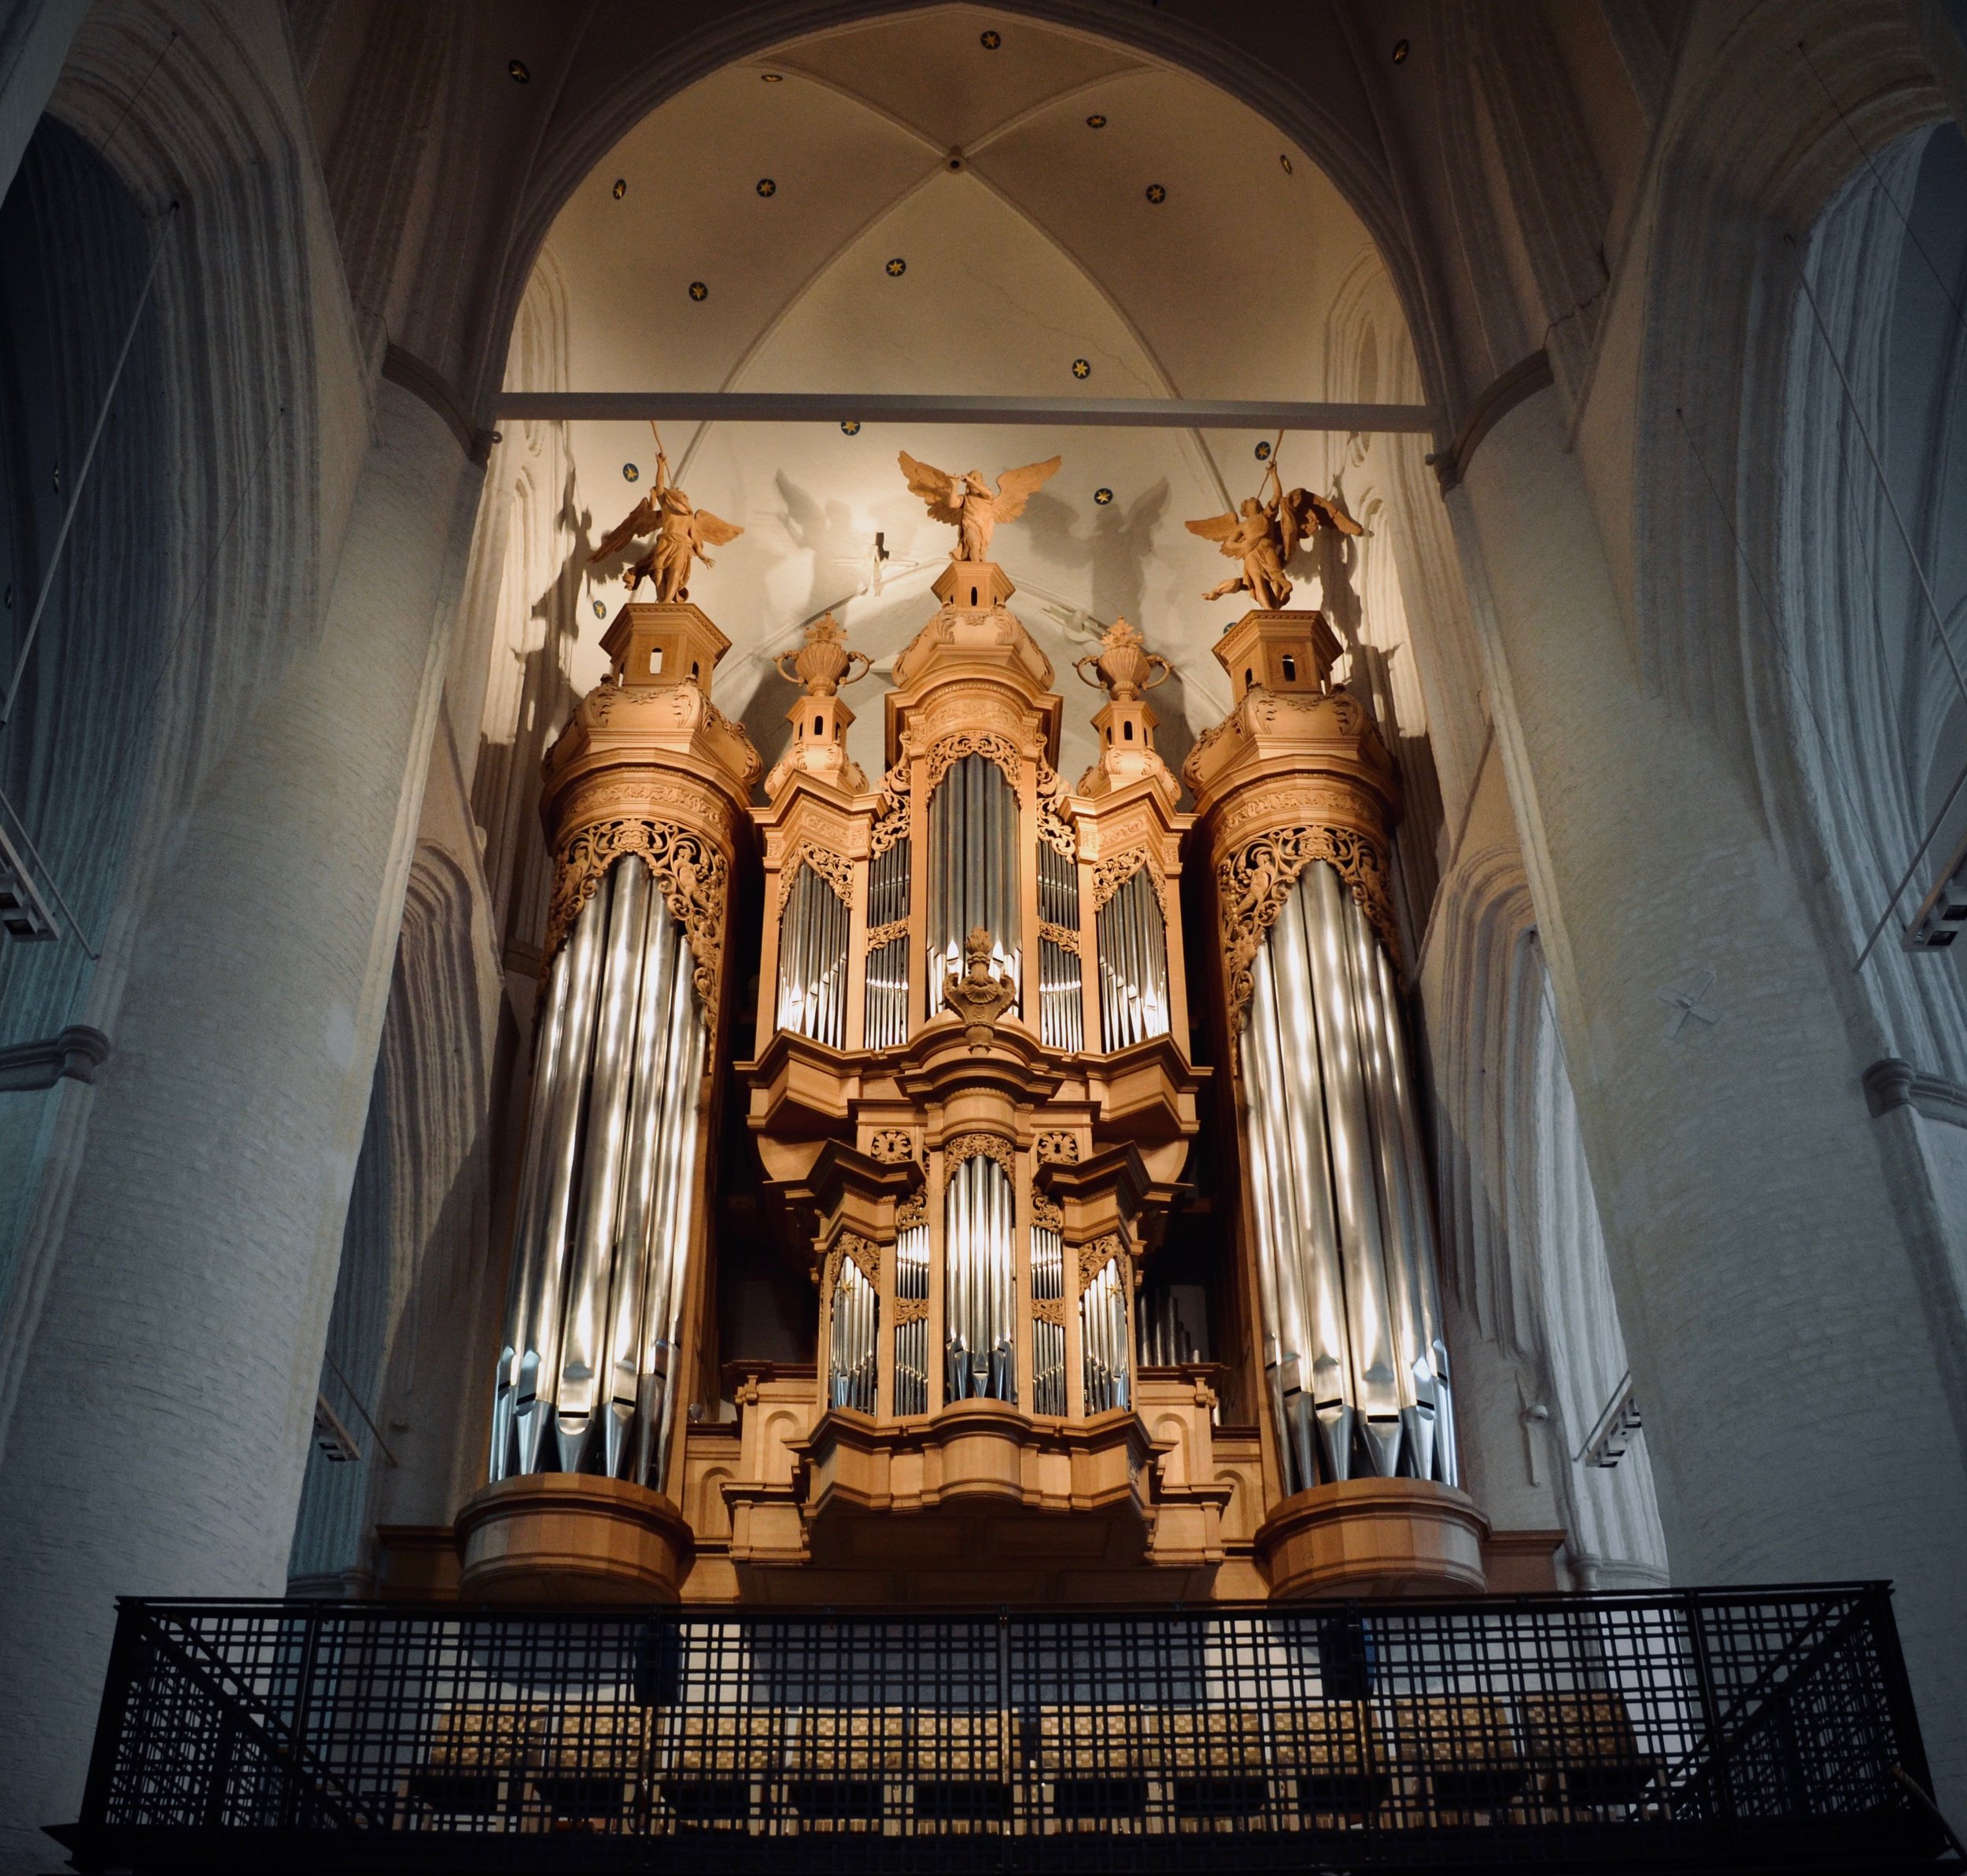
x: 978, y: 1348
x: 1131, y: 936
x: 973, y: 872
x: 1347, y: 1287
x: 851, y: 1364
x: 607, y: 1205
x: 811, y: 995
x: 1103, y: 1339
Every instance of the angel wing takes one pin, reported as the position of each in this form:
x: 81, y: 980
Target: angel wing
x: 712, y: 532
x: 641, y: 520
x: 1218, y: 527
x: 933, y: 486
x: 1015, y: 487
x: 1301, y: 514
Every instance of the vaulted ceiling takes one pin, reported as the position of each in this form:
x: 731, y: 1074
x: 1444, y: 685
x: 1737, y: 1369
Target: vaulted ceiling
x: 951, y: 200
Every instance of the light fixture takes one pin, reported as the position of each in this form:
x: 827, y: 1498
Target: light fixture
x: 621, y: 188
x: 630, y: 473
x: 515, y: 70
x: 1284, y: 159
x: 1082, y: 367
x: 767, y: 186
x: 897, y: 267
x: 772, y: 78
x: 1103, y: 497
x: 1096, y: 121
x: 1399, y: 52
x: 699, y: 291
x: 849, y: 427
x: 990, y: 40
x: 1156, y: 192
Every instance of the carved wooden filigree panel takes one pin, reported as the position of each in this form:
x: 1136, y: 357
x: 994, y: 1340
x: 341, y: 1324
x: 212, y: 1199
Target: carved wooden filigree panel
x: 969, y: 1145
x: 693, y: 875
x: 1063, y: 935
x: 1110, y: 875
x: 949, y: 749
x: 1251, y: 886
x: 892, y: 817
x: 836, y: 869
x: 1056, y: 1147
x: 892, y: 1146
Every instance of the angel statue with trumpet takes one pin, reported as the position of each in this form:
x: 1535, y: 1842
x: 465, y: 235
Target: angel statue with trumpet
x: 967, y: 503
x: 1263, y: 534
x: 681, y: 535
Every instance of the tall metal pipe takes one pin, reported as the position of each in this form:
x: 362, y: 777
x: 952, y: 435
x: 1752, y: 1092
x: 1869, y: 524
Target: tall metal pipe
x: 683, y: 1097
x: 621, y: 1353
x: 558, y: 1145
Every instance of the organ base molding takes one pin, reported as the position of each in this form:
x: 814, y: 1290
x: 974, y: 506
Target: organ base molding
x: 578, y: 1538
x: 1374, y: 1537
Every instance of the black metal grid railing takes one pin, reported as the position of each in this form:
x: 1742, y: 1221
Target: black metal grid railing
x: 1734, y: 1730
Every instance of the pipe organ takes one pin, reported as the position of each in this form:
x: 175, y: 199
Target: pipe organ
x: 980, y: 1141
x: 645, y: 803
x: 1295, y: 796
x: 972, y: 1102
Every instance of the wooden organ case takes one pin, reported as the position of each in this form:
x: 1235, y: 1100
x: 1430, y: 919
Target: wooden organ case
x: 973, y: 1099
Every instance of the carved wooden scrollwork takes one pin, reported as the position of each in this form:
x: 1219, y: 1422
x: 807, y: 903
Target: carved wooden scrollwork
x: 880, y: 936
x: 891, y: 818
x: 1110, y: 875
x: 949, y: 749
x: 1251, y: 885
x: 969, y: 1145
x: 1046, y: 1214
x: 1095, y: 1256
x: 1050, y: 1309
x: 694, y: 876
x: 836, y: 869
x: 1056, y: 1147
x: 1063, y: 935
x: 912, y: 1211
x: 910, y: 1308
x: 1053, y: 828
x: 863, y: 1252
x: 892, y: 1146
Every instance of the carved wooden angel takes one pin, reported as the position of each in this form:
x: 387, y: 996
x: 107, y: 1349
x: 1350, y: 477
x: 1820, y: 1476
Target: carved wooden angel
x: 966, y: 503
x: 1262, y: 535
x: 680, y: 531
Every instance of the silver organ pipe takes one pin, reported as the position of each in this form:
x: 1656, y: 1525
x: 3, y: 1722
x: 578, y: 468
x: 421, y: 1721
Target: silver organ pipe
x: 607, y: 1213
x: 885, y: 1025
x: 1103, y: 1339
x: 912, y: 1336
x: 973, y: 869
x: 813, y: 960
x: 1346, y: 1276
x: 851, y: 1358
x: 1048, y: 1336
x: 978, y: 1287
x: 1130, y: 936
x: 1061, y: 1014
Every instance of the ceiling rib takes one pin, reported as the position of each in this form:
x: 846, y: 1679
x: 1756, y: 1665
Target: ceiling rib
x: 841, y: 407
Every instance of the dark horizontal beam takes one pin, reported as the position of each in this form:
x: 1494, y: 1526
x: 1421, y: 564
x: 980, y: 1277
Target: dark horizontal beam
x: 831, y: 407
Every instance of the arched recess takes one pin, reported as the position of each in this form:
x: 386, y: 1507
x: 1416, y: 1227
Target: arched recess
x: 1524, y: 1265
x: 1344, y: 138
x: 410, y: 1290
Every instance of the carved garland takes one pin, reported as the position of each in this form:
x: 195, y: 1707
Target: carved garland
x: 951, y: 749
x: 1053, y: 828
x: 990, y: 1145
x: 1050, y: 1309
x: 910, y: 1308
x: 1110, y: 875
x: 1064, y: 937
x: 891, y: 818
x: 834, y: 868
x: 693, y: 875
x: 912, y: 1213
x: 1047, y: 1214
x: 883, y: 935
x: 1251, y: 886
x: 865, y: 1252
x: 1095, y: 1256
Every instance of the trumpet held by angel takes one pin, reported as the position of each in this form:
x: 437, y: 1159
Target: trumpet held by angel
x: 968, y: 503
x: 1263, y: 533
x: 681, y: 533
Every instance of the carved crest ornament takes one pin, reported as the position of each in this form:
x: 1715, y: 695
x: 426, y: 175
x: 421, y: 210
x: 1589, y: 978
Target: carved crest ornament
x: 977, y: 993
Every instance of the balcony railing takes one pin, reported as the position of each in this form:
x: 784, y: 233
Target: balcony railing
x: 1725, y: 1729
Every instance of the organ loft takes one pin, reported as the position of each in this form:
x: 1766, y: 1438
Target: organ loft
x: 974, y: 1091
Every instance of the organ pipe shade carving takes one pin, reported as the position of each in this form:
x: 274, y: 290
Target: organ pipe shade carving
x: 1131, y: 938
x: 978, y: 1300
x: 851, y: 1359
x: 975, y: 847
x: 1103, y: 1338
x: 813, y: 960
x: 885, y: 1024
x: 1354, y: 1351
x: 607, y: 1197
